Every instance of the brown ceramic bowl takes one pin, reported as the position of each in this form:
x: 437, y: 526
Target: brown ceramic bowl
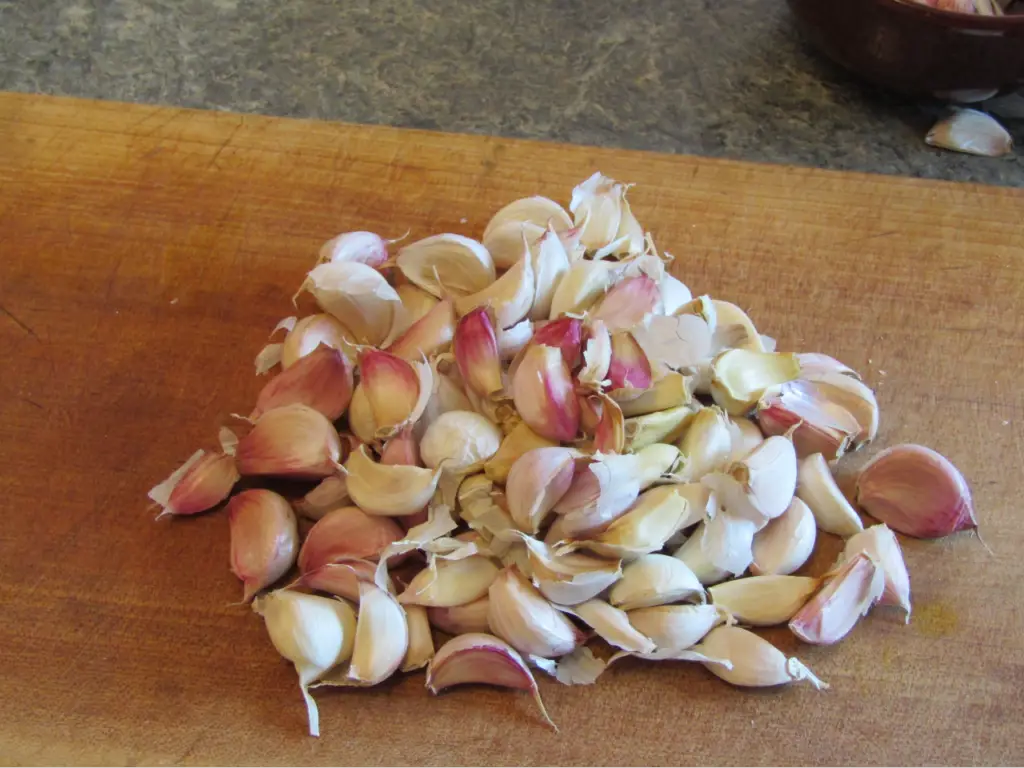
x: 916, y: 49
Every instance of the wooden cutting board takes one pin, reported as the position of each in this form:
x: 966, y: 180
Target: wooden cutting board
x: 145, y: 253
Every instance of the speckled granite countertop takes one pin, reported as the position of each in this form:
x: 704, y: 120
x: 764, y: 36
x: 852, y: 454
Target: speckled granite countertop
x: 725, y: 79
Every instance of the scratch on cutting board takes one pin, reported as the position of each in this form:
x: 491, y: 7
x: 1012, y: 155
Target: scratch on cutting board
x: 24, y: 326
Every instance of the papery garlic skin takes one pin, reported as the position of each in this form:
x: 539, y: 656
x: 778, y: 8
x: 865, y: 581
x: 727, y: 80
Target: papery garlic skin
x: 264, y: 538
x: 293, y: 441
x: 202, y: 482
x: 611, y: 625
x: 849, y: 594
x: 880, y: 544
x: 755, y: 663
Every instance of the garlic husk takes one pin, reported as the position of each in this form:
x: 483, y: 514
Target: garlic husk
x: 707, y: 444
x: 600, y: 492
x: 814, y: 365
x: 626, y: 303
x: 786, y: 543
x: 551, y: 263
x: 366, y: 248
x: 479, y: 509
x: 764, y: 601
x: 382, y: 636
x: 734, y: 325
x: 565, y: 333
x: 543, y: 392
x: 656, y: 463
x: 520, y: 615
x: 481, y: 658
x: 322, y: 380
x: 512, y: 341
x: 461, y: 619
x: 645, y: 527
x: 264, y: 539
x: 312, y: 332
x: 202, y: 482
x: 880, y: 544
x: 611, y: 625
x: 514, y: 445
x: 397, y: 390
x: 292, y: 441
x: 670, y: 391
x: 727, y: 540
x: 596, y: 206
x: 402, y: 449
x: 416, y: 301
x: 610, y: 429
x: 344, y: 533
x: 739, y: 377
x: 674, y: 343
x: 510, y: 297
x: 971, y: 132
x: 674, y: 294
x: 421, y: 641
x: 459, y: 442
x: 746, y: 436
x: 817, y: 488
x: 392, y: 491
x: 505, y: 242
x: 568, y: 579
x: 447, y: 265
x: 448, y: 583
x: 580, y: 287
x: 676, y: 626
x: 691, y: 553
x: 313, y: 633
x: 703, y: 307
x: 655, y: 580
x: 846, y: 596
x: 536, y: 482
x: 340, y: 578
x: 818, y: 425
x: 856, y: 397
x: 331, y: 493
x: 429, y: 335
x: 756, y: 663
x: 658, y: 427
x: 628, y: 366
x: 916, y: 491
x: 358, y: 296
x: 597, y: 357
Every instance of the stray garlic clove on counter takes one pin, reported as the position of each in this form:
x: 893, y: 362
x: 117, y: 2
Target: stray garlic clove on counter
x: 459, y: 442
x: 322, y: 380
x: 817, y: 488
x: 202, y: 482
x: 366, y: 248
x: 764, y: 601
x: 481, y: 658
x: 655, y: 579
x: 346, y: 533
x: 544, y: 395
x: 611, y: 625
x: 382, y: 636
x: 293, y: 441
x: 916, y: 491
x: 461, y: 619
x: 449, y: 583
x: 786, y: 543
x: 264, y: 539
x: 421, y: 641
x: 755, y: 663
x: 427, y: 336
x: 447, y: 265
x: 536, y: 483
x: 396, y: 389
x: 392, y: 491
x: 707, y: 444
x: 677, y: 627
x: 846, y: 596
x: 972, y: 132
x: 358, y: 296
x: 313, y: 633
x: 880, y: 544
x: 518, y: 614
x: 740, y: 377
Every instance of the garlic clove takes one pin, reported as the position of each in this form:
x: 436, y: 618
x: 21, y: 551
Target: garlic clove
x: 421, y: 641
x: 565, y: 333
x: 476, y: 352
x: 581, y: 287
x: 401, y: 450
x: 706, y: 445
x: 481, y: 658
x: 505, y: 242
x: 543, y: 392
x: 755, y: 663
x: 202, y: 482
x: 520, y: 615
x: 416, y: 301
x: 392, y: 491
x: 447, y: 395
x: 669, y: 391
x: 746, y: 436
x: 538, y: 210
x: 512, y: 341
x: 856, y: 397
x: 727, y: 540
x: 313, y: 633
x: 358, y: 296
x: 448, y: 583
x: 363, y: 247
x: 536, y: 482
x: 611, y: 625
x: 330, y: 494
x: 691, y: 553
x: 768, y: 476
x: 346, y: 533
x: 551, y: 263
x: 880, y: 544
x: 396, y: 389
x: 600, y: 492
x: 846, y: 596
x: 510, y: 297
x: 814, y: 365
x: 427, y: 336
x: 596, y: 206
x: 515, y: 444
x: 340, y: 578
x: 739, y: 377
x: 447, y: 265
x: 674, y: 343
x: 764, y: 601
x: 360, y: 416
x: 655, y: 580
x: 597, y: 357
x: 264, y: 539
x: 312, y: 332
x: 817, y: 488
x: 916, y: 491
x: 972, y: 132
x: 382, y: 636
x: 461, y: 619
x: 818, y: 425
x: 658, y: 427
x: 628, y: 366
x: 610, y: 430
x: 629, y: 237
x: 734, y: 328
x: 786, y: 543
x: 459, y: 442
x: 322, y: 380
x: 292, y: 441
x: 627, y: 302
x: 657, y: 514
x: 676, y: 627
x: 656, y: 463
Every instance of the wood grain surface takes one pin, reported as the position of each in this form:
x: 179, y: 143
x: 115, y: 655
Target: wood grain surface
x: 145, y: 253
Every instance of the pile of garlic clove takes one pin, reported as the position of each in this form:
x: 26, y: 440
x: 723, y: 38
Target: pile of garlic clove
x: 543, y: 439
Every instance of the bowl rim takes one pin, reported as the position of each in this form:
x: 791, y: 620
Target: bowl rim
x: 954, y: 18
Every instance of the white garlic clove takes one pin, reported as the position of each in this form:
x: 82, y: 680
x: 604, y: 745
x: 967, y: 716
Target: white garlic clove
x: 428, y: 335
x: 322, y: 380
x: 655, y: 579
x: 416, y: 301
x: 505, y: 242
x: 512, y: 341
x: 293, y: 441
x: 817, y: 488
x: 538, y: 213
x: 856, y: 397
x: 360, y: 416
x: 392, y: 491
x: 447, y: 264
x: 544, y: 394
x: 786, y: 543
x: 734, y: 329
x: 264, y: 538
x: 347, y: 532
x: 481, y: 658
x: 611, y: 625
x: 706, y: 445
x: 691, y: 552
x: 551, y: 263
x: 421, y: 641
x: 846, y: 596
x: 755, y: 663
x: 520, y: 615
x: 382, y: 636
x: 658, y: 427
x: 596, y: 206
x: 657, y: 514
x: 670, y: 391
x: 727, y: 540
x: 972, y: 132
x: 358, y: 296
x: 600, y: 492
x: 676, y: 627
x: 674, y: 294
x: 739, y: 377
x: 746, y: 436
x: 764, y: 601
x: 581, y: 287
x: 657, y: 463
x: 880, y: 544
x: 312, y: 332
x: 202, y: 482
x: 510, y: 297
x: 536, y: 482
x: 517, y: 443
x: 769, y: 476
x: 461, y: 619
x: 366, y: 248
x: 571, y: 578
x: 459, y: 442
x: 397, y: 390
x: 448, y: 583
